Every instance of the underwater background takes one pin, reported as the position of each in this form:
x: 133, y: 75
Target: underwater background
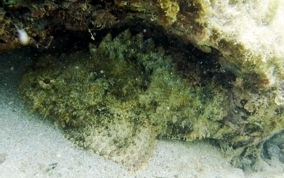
x: 170, y: 89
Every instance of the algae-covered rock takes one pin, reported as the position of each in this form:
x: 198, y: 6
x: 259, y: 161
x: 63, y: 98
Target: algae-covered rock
x: 248, y: 34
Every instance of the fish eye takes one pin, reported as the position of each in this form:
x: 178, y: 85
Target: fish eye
x: 46, y: 81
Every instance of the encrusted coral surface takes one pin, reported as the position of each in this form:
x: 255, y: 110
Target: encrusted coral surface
x: 123, y: 95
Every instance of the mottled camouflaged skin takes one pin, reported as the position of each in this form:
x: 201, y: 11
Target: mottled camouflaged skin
x: 117, y: 99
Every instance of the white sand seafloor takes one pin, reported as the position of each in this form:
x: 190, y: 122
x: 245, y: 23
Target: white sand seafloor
x: 33, y: 147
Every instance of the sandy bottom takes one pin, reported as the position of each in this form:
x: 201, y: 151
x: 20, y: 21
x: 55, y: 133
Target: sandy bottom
x: 33, y: 147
